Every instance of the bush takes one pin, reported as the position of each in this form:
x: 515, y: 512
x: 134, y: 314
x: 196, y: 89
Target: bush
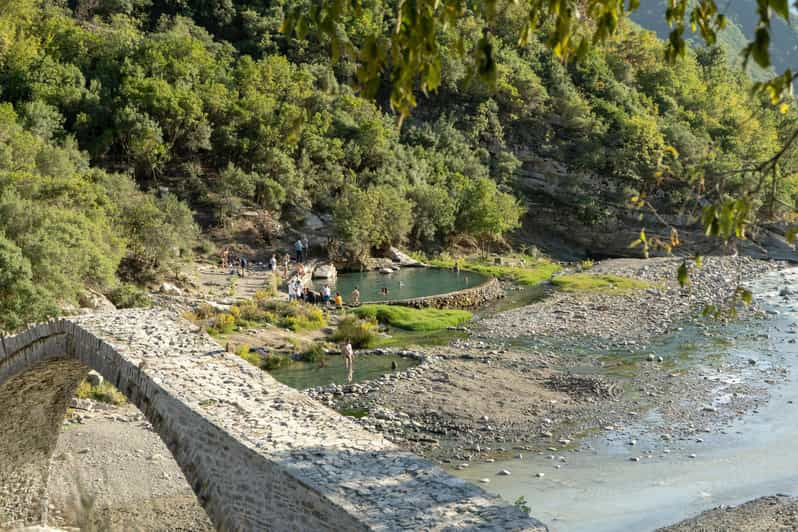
x: 271, y: 362
x: 253, y: 358
x: 128, y: 295
x: 413, y: 319
x: 313, y: 355
x: 361, y: 333
x: 301, y: 317
x: 224, y: 323
x: 205, y: 311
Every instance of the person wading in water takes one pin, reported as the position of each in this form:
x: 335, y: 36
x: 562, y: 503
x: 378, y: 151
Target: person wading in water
x: 349, y: 359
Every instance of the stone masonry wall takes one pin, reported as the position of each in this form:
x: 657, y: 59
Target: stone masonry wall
x: 468, y: 298
x: 259, y: 455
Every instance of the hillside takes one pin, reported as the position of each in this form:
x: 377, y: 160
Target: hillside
x: 120, y: 118
x: 742, y: 20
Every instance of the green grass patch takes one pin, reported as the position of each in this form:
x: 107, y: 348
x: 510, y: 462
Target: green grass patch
x: 104, y: 393
x: 603, y: 283
x: 413, y: 319
x: 534, y: 272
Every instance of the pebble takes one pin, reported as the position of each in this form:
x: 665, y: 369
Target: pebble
x: 504, y: 473
x: 540, y: 475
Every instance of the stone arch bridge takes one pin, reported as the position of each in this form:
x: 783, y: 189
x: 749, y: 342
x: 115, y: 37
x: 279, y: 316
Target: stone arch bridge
x: 258, y: 455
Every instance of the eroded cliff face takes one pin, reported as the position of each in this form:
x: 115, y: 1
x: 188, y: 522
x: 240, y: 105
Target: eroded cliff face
x: 576, y: 215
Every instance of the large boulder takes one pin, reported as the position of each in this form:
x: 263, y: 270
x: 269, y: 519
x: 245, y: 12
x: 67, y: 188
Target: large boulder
x: 170, y: 289
x: 96, y: 301
x: 325, y: 271
x: 94, y: 378
x: 403, y: 258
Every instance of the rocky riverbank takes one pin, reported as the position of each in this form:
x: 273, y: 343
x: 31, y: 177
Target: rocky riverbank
x: 490, y: 396
x: 634, y: 316
x: 766, y: 514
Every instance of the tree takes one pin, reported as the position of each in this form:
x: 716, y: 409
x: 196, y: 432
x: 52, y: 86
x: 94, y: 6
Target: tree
x: 487, y: 213
x: 21, y: 301
x: 411, y: 52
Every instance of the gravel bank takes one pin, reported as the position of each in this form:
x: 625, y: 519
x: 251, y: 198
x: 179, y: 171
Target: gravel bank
x: 488, y: 398
x: 628, y: 318
x: 767, y: 514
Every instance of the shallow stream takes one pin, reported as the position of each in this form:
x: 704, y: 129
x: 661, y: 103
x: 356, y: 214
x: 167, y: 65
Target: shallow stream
x: 600, y: 489
x: 303, y: 375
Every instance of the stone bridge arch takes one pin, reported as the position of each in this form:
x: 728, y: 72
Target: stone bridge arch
x: 258, y: 455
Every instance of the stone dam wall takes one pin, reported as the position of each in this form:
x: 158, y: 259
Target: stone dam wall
x: 474, y: 297
x: 258, y: 455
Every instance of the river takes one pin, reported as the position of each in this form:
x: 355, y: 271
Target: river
x: 601, y: 489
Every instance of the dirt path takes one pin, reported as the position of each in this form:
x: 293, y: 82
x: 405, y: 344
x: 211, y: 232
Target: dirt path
x: 128, y: 474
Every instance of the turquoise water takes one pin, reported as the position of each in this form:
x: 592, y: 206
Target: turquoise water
x: 405, y: 284
x: 303, y: 375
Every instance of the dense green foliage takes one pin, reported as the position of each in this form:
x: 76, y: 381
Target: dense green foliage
x: 742, y: 21
x: 64, y: 226
x: 103, y: 99
x: 412, y: 319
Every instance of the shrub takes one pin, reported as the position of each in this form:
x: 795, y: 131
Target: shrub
x: 314, y: 354
x: 253, y: 358
x: 361, y: 333
x: 128, y: 295
x: 205, y: 311
x: 413, y: 319
x: 586, y: 264
x: 302, y: 317
x: 235, y: 312
x: 271, y: 362
x: 224, y: 323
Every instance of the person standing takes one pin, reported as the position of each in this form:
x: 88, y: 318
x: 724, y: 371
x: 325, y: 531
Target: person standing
x: 306, y: 247
x: 243, y: 263
x: 325, y: 294
x: 349, y: 359
x: 356, y: 296
x: 273, y: 263
x: 299, y: 248
x: 286, y: 263
x: 339, y: 300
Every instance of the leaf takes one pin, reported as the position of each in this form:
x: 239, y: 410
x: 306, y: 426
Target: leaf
x: 781, y: 7
x: 681, y: 274
x: 746, y: 296
x: 699, y: 261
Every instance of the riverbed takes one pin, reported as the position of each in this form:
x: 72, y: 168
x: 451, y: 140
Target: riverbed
x: 642, y: 478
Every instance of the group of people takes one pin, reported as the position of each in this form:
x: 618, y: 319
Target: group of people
x: 238, y: 263
x: 298, y: 292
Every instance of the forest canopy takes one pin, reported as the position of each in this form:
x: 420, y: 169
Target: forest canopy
x: 108, y: 104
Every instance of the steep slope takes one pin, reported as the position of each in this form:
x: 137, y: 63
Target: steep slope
x: 742, y: 23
